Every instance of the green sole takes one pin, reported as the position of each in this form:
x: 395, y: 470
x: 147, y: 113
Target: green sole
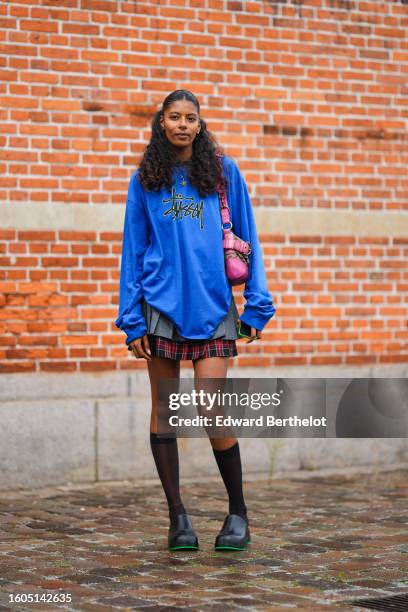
x: 232, y: 547
x: 184, y: 548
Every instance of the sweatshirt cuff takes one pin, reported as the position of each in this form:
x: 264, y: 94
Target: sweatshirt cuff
x: 133, y: 325
x: 254, y: 318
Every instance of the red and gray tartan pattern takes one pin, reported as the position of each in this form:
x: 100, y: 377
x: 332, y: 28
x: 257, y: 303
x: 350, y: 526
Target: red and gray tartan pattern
x: 192, y: 349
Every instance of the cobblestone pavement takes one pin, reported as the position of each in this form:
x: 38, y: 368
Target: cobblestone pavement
x: 316, y: 544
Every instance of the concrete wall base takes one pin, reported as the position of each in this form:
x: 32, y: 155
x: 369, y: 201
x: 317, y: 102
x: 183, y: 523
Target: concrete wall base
x: 75, y: 428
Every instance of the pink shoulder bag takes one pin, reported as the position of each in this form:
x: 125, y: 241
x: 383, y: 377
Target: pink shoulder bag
x: 236, y: 250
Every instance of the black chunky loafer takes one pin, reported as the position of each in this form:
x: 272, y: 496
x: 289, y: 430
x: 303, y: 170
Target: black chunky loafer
x: 181, y: 534
x: 234, y: 534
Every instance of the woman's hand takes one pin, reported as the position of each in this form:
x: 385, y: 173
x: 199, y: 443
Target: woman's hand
x: 255, y: 335
x: 141, y: 348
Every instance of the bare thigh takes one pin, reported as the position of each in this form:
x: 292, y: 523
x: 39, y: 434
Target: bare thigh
x: 159, y: 368
x: 213, y: 367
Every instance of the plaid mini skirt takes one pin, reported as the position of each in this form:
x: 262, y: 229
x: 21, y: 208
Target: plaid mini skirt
x: 165, y: 341
x: 191, y: 349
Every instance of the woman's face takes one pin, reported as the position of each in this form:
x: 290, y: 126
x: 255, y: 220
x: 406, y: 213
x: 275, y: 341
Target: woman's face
x: 181, y: 125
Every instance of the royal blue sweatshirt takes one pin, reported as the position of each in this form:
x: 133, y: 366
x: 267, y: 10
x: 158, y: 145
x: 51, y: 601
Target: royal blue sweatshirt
x: 172, y: 254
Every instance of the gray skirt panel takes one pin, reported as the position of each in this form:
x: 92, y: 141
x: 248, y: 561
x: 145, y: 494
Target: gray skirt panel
x: 158, y: 324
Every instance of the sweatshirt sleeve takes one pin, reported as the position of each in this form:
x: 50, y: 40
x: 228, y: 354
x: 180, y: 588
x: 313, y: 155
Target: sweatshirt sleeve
x: 259, y: 307
x: 135, y: 240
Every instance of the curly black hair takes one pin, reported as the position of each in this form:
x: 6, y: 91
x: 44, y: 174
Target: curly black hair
x: 204, y: 168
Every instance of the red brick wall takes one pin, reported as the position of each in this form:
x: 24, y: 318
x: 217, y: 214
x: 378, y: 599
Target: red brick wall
x: 309, y: 97
x: 340, y: 300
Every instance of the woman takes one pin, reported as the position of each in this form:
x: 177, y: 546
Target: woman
x: 175, y: 300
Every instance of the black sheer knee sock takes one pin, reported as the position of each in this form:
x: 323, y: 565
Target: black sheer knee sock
x: 165, y: 453
x: 229, y: 464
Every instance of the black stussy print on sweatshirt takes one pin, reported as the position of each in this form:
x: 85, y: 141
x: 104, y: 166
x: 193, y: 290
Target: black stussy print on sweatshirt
x: 184, y: 206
